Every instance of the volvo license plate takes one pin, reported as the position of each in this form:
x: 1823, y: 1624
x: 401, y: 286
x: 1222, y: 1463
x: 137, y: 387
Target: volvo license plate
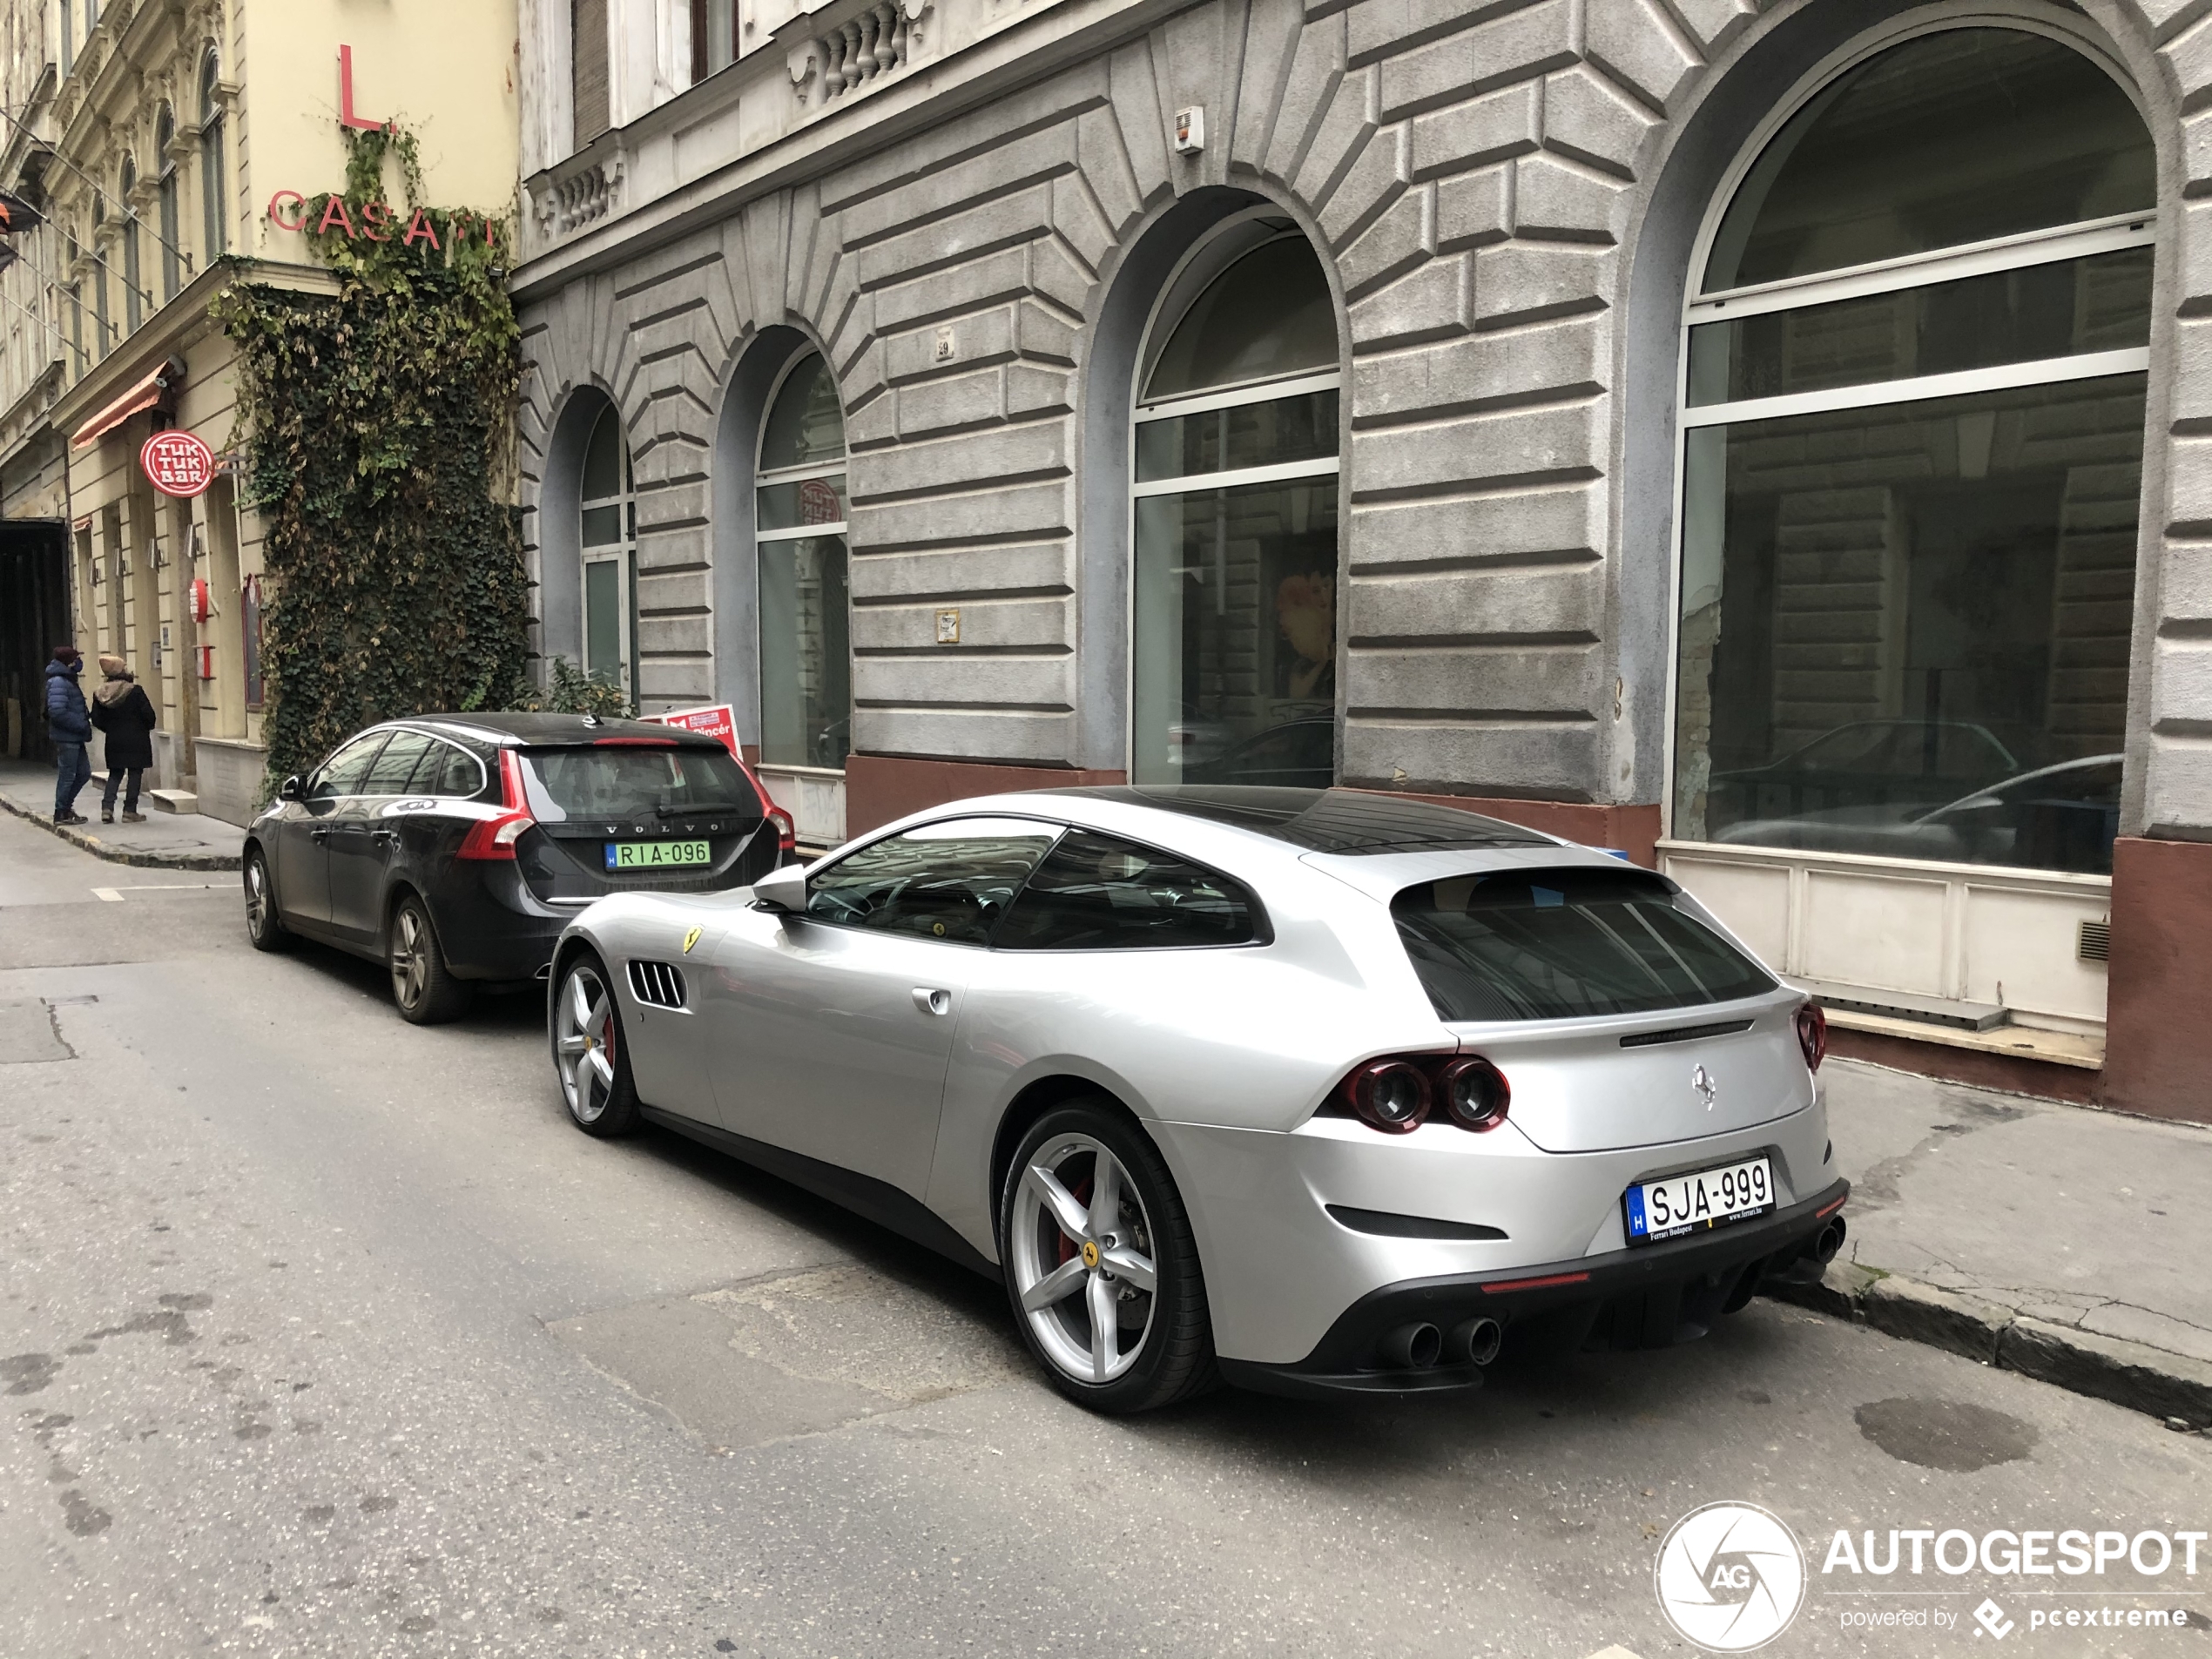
x: 656, y: 855
x: 1698, y: 1202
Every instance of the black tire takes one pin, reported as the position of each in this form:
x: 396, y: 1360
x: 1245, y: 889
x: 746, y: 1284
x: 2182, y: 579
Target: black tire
x: 602, y: 1100
x: 422, y: 985
x: 264, y: 922
x: 1173, y: 1358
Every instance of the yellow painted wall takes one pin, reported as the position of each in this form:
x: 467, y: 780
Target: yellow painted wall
x: 444, y: 70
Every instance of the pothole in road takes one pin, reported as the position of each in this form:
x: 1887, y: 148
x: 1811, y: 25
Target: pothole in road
x: 1946, y: 1434
x: 794, y: 1354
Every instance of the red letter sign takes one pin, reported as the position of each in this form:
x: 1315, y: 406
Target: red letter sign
x: 177, y: 463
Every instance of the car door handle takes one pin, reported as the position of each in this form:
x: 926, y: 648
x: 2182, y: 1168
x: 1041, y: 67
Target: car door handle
x: 319, y: 836
x: 930, y: 1001
x: 385, y: 838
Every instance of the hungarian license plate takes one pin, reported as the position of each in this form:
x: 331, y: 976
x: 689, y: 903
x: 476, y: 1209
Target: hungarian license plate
x: 1694, y: 1203
x: 656, y: 855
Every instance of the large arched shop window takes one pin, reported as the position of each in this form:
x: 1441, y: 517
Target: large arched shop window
x: 1913, y: 453
x: 1233, y: 624
x: 805, y: 635
x: 608, y: 538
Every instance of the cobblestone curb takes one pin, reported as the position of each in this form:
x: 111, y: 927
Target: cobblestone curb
x: 2174, y: 1387
x: 99, y: 849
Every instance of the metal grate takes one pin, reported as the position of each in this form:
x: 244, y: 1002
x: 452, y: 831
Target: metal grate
x: 2094, y: 944
x: 659, y: 983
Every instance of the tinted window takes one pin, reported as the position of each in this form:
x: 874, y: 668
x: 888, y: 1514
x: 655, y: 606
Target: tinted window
x: 448, y: 770
x: 1557, y: 944
x: 1095, y: 892
x: 949, y: 880
x: 615, y: 780
x: 342, y: 773
x: 396, y: 764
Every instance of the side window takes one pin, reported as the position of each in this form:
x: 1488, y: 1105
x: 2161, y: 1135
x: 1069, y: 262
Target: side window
x: 1095, y: 893
x: 393, y: 768
x: 447, y: 771
x: 342, y: 773
x: 949, y: 881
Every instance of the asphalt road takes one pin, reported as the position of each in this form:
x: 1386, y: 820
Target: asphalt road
x: 322, y: 1334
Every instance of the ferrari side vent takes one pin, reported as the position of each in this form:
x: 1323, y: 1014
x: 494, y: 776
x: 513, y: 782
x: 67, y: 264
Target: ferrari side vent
x: 2094, y: 941
x: 659, y: 983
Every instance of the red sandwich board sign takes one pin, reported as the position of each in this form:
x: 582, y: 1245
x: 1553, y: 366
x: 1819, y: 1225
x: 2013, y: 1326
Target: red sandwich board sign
x: 716, y: 720
x: 177, y: 463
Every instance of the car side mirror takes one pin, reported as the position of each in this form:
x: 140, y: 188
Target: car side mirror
x: 784, y: 890
x: 292, y: 788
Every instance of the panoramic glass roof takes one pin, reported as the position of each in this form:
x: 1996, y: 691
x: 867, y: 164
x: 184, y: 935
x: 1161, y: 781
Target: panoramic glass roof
x: 1324, y: 820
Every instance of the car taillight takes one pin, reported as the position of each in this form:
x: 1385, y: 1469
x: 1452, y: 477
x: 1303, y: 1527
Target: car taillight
x: 495, y: 837
x: 1474, y: 1093
x: 1396, y: 1093
x: 1812, y: 1035
x: 786, y: 830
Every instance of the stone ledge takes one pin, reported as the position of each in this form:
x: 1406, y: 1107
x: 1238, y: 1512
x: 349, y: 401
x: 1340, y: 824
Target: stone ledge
x: 2172, y: 1386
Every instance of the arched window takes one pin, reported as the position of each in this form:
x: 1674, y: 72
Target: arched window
x: 165, y: 136
x: 608, y: 538
x: 1234, y: 638
x: 211, y: 158
x: 798, y: 529
x: 126, y: 186
x: 1913, y: 427
x: 103, y: 338
x: 76, y: 303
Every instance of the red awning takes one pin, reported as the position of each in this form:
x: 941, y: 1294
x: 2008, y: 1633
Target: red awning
x: 143, y: 394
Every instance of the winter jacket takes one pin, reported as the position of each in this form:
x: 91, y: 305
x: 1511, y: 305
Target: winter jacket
x: 67, y: 719
x: 128, y: 719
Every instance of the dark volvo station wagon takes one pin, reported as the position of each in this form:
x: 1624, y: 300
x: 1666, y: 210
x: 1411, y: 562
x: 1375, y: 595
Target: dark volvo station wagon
x: 455, y: 847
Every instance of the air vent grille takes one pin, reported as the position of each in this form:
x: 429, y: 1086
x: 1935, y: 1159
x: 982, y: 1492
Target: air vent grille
x: 1685, y: 1033
x: 659, y: 983
x: 2095, y: 942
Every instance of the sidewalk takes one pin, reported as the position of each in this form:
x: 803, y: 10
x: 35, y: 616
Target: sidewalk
x: 2050, y: 1239
x: 165, y: 840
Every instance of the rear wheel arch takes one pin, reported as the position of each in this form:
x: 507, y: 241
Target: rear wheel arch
x: 1032, y: 1102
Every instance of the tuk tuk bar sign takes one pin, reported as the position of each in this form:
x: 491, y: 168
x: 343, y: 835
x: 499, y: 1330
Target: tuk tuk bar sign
x: 287, y: 211
x: 177, y: 463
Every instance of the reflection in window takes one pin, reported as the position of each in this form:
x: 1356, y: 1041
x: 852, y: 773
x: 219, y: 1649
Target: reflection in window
x: 805, y: 636
x: 1095, y: 893
x: 1234, y: 579
x: 212, y: 182
x: 948, y: 882
x: 1906, y: 601
x: 609, y: 535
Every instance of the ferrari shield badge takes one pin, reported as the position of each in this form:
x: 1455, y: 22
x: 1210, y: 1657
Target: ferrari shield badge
x: 691, y: 939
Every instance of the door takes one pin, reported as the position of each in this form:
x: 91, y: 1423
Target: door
x: 840, y: 1021
x: 303, y: 855
x: 362, y: 841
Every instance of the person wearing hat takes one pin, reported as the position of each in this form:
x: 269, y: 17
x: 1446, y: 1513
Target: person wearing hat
x: 69, y: 728
x: 124, y: 712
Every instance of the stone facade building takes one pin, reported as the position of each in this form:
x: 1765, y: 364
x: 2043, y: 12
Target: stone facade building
x: 1764, y: 439
x: 136, y: 129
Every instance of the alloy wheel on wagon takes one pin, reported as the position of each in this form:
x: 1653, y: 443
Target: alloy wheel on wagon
x: 1081, y: 1251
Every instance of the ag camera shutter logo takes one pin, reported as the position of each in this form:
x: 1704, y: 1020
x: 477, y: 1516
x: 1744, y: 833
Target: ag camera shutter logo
x: 1731, y: 1577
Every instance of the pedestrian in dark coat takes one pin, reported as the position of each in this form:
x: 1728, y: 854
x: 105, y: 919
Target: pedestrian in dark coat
x: 69, y: 728
x: 122, y: 710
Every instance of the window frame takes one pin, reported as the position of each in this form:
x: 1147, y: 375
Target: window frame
x: 846, y: 853
x: 2077, y: 239
x: 766, y: 479
x: 166, y: 209
x: 213, y: 157
x: 1263, y: 927
x: 1208, y: 261
x: 622, y: 552
x: 133, y: 300
x: 379, y: 735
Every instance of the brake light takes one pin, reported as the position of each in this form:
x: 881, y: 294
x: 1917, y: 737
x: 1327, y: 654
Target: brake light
x: 786, y: 830
x: 633, y: 743
x: 1812, y: 1035
x: 495, y: 837
x: 1396, y: 1093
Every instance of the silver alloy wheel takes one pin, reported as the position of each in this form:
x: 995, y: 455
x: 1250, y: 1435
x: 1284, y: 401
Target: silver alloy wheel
x: 411, y: 948
x: 584, y: 1043
x: 256, y: 895
x: 1099, y: 1243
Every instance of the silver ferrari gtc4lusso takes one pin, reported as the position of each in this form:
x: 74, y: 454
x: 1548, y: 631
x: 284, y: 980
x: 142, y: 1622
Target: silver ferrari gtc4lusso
x: 1305, y: 1089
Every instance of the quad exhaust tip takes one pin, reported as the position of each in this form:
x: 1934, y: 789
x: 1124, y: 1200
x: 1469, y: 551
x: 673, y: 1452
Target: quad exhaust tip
x: 1476, y: 1342
x: 1420, y: 1346
x: 1830, y: 1241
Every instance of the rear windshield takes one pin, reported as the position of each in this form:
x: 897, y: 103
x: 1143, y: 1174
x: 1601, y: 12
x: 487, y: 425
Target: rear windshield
x: 615, y: 780
x: 1563, y: 944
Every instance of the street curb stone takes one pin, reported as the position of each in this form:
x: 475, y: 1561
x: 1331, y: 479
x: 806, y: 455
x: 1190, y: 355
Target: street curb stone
x: 2171, y: 1386
x: 99, y: 849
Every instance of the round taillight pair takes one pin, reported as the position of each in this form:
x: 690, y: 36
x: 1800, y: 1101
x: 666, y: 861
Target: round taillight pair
x: 1397, y: 1095
x: 1812, y: 1035
x: 1475, y: 1093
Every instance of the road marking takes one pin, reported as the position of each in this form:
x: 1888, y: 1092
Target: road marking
x: 114, y: 896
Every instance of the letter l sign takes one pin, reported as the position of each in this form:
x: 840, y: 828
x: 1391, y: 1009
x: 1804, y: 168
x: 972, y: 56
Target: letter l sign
x: 345, y: 116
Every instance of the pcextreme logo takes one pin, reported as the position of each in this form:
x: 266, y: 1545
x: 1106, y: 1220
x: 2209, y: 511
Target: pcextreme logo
x: 1731, y: 1577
